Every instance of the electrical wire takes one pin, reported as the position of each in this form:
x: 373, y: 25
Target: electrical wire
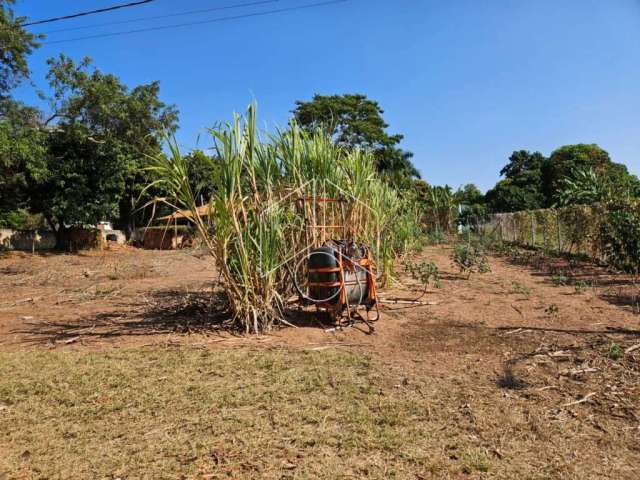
x: 91, y: 12
x: 203, y: 22
x: 157, y: 17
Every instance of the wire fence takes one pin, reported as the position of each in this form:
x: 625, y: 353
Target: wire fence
x: 567, y: 230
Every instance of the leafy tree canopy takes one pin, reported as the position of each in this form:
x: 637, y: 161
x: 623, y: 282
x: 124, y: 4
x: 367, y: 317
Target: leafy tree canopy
x: 522, y: 187
x: 508, y: 196
x: 22, y: 156
x: 203, y: 174
x: 571, y: 162
x: 469, y: 195
x: 356, y: 121
x: 581, y: 173
x: 353, y: 120
x: 16, y: 44
x: 98, y: 139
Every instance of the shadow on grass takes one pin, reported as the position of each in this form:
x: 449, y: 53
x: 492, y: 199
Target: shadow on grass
x: 164, y: 312
x: 509, y: 381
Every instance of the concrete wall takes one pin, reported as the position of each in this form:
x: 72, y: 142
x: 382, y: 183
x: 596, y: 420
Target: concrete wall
x: 75, y: 238
x: 26, y: 240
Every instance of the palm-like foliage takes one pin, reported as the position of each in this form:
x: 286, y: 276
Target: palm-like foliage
x: 441, y: 204
x: 583, y: 188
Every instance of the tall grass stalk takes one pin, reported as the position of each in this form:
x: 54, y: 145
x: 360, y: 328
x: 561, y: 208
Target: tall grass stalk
x: 256, y: 226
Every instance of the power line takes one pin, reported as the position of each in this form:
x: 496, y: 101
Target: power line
x: 140, y: 19
x: 214, y: 20
x: 91, y: 12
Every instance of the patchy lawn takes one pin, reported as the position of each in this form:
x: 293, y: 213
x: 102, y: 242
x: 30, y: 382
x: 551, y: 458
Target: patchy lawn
x: 110, y: 367
x: 214, y: 414
x: 272, y: 413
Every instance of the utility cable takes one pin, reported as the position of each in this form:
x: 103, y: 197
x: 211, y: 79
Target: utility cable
x: 91, y: 12
x: 203, y: 22
x: 157, y: 17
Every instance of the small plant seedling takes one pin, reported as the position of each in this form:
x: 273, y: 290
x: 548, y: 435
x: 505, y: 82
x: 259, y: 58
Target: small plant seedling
x: 436, y: 238
x: 552, y: 310
x: 115, y: 274
x: 475, y: 460
x: 581, y: 286
x: 559, y: 280
x: 426, y: 272
x: 517, y: 287
x: 615, y: 351
x: 470, y: 259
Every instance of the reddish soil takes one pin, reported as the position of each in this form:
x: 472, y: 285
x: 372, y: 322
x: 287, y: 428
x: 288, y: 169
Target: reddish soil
x: 509, y: 347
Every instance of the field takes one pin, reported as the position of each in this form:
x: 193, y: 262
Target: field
x: 110, y: 369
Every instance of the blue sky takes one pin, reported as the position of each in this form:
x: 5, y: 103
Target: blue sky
x: 466, y: 81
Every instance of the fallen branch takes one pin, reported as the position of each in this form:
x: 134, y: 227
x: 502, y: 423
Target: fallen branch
x: 582, y: 400
x: 549, y: 387
x: 395, y: 301
x: 561, y: 354
x: 578, y: 371
x: 517, y: 330
x: 20, y: 302
x: 633, y: 348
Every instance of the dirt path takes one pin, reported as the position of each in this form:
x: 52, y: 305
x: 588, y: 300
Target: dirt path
x: 97, y: 299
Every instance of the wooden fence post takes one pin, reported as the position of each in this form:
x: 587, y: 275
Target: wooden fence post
x: 558, y: 231
x: 533, y: 229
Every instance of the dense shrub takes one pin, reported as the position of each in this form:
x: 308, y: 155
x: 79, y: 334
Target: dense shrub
x: 470, y: 258
x: 620, y: 236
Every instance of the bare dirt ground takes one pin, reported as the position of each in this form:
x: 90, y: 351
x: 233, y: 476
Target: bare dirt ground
x: 542, y: 378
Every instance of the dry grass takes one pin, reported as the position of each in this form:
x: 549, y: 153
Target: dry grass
x: 466, y: 387
x: 268, y: 414
x: 185, y: 414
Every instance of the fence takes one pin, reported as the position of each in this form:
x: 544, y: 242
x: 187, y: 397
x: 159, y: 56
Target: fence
x: 572, y: 230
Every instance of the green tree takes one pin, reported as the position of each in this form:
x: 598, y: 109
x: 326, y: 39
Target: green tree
x: 203, y: 175
x: 469, y: 195
x: 84, y: 181
x: 584, y: 188
x: 471, y: 206
x: 354, y: 121
x: 21, y: 142
x: 16, y: 44
x: 22, y: 159
x: 569, y: 162
x: 522, y: 187
x: 97, y: 119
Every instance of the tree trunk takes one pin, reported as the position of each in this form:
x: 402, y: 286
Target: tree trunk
x: 60, y: 231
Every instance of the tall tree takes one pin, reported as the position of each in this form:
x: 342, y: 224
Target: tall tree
x: 21, y: 141
x: 522, y: 186
x: 355, y: 121
x: 569, y: 162
x: 99, y: 135
x: 469, y: 195
x: 203, y: 174
x: 16, y: 44
x: 22, y: 158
